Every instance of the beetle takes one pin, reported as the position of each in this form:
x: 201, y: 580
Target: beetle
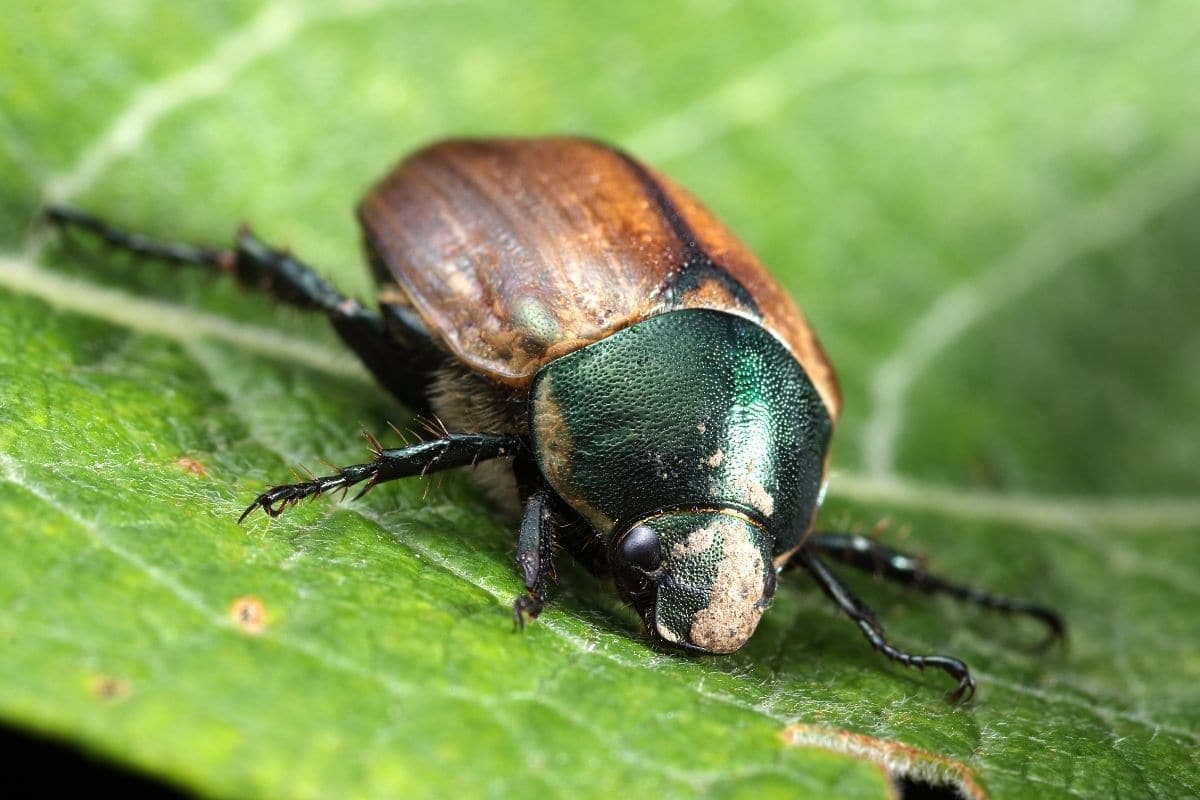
x: 636, y: 380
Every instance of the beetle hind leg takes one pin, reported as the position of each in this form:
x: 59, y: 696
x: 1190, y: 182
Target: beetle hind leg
x: 862, y: 616
x: 391, y: 358
x: 866, y: 554
x: 178, y: 253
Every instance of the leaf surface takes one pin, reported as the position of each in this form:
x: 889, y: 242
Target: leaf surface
x: 988, y: 214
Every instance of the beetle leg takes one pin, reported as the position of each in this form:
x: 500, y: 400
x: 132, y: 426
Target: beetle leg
x: 178, y: 253
x: 862, y: 615
x: 535, y: 557
x: 251, y: 262
x: 868, y: 555
x: 279, y: 274
x: 454, y: 450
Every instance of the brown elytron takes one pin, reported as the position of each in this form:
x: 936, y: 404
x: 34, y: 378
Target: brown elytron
x: 518, y: 251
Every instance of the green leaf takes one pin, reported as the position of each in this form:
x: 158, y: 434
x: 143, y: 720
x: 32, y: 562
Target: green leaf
x: 988, y: 213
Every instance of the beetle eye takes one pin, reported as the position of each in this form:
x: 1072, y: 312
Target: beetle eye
x: 641, y: 548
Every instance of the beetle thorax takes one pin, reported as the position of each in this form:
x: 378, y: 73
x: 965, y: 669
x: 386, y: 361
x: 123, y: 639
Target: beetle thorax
x: 692, y: 409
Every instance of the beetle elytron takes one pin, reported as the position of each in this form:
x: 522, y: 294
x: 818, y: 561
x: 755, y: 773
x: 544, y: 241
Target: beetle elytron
x: 660, y: 406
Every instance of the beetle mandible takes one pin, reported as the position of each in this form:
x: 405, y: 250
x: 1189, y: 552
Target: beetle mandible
x: 660, y: 406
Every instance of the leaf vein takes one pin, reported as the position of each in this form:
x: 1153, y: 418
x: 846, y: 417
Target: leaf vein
x: 273, y: 29
x: 1062, y: 242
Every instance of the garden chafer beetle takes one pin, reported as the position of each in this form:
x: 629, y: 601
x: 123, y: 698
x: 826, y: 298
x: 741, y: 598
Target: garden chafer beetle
x: 652, y: 398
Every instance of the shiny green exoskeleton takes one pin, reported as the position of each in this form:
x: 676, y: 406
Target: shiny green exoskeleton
x: 694, y: 444
x: 648, y: 394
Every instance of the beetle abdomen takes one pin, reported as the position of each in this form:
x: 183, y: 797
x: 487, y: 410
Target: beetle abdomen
x: 515, y: 252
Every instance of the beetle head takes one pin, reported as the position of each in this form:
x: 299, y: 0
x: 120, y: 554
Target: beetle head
x: 700, y: 579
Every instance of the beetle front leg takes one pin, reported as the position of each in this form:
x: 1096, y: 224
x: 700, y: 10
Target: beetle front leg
x: 422, y: 458
x: 535, y: 557
x: 866, y: 554
x: 862, y: 615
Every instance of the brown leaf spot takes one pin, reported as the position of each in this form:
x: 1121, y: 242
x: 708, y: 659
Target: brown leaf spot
x: 249, y: 614
x: 897, y: 758
x: 109, y: 688
x: 190, y: 465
